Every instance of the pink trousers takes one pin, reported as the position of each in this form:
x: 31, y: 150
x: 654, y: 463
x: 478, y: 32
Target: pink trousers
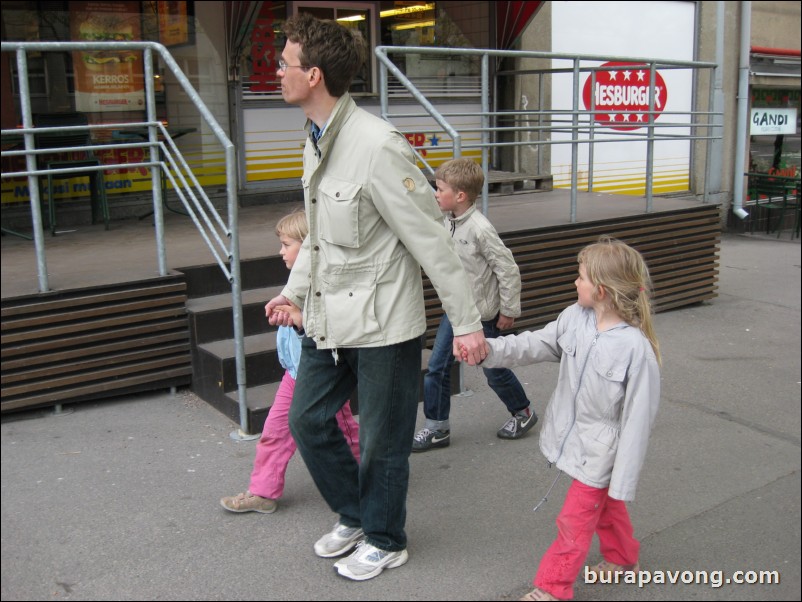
x: 276, y: 446
x: 586, y: 510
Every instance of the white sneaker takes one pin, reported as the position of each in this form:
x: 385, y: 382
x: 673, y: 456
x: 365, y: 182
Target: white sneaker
x: 338, y: 541
x: 367, y: 561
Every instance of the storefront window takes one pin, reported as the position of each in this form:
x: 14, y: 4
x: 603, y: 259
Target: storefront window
x: 443, y: 24
x: 108, y: 85
x: 776, y: 115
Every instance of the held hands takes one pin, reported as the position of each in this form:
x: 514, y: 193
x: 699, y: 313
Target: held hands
x: 470, y: 348
x: 296, y: 317
x: 280, y: 311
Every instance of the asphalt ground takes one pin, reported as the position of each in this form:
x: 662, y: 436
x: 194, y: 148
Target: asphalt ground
x: 119, y: 500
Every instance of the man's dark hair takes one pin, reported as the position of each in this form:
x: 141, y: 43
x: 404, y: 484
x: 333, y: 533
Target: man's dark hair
x: 337, y: 51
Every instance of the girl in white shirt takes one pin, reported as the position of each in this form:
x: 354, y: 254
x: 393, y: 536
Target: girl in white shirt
x: 597, y: 424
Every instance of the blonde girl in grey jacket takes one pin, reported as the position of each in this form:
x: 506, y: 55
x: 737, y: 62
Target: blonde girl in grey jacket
x: 597, y: 424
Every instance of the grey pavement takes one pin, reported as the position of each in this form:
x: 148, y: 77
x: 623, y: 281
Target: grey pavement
x: 119, y: 500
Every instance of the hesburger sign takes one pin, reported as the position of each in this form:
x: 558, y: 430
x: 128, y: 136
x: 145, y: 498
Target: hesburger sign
x: 621, y: 95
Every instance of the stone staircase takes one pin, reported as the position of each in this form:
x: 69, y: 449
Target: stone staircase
x: 214, y: 372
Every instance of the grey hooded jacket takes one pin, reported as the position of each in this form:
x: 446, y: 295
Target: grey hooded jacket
x: 597, y: 425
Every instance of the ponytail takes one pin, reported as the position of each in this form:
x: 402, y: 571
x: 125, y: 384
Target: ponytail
x: 622, y: 271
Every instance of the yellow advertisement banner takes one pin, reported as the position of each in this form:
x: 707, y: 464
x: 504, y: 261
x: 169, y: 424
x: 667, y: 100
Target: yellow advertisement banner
x: 107, y: 80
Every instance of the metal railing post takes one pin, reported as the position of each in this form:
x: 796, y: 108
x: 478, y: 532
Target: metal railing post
x: 30, y: 165
x: 574, y: 140
x: 155, y: 171
x: 650, y: 138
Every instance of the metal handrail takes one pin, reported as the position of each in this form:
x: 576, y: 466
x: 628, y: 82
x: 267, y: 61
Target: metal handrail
x: 578, y: 122
x: 166, y: 158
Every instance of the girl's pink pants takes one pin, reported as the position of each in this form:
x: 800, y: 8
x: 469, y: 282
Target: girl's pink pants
x: 587, y: 510
x: 276, y: 446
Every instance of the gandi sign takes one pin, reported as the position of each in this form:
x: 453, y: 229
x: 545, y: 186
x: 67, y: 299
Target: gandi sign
x: 767, y: 122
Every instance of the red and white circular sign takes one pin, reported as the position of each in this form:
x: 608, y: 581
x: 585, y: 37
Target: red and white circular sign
x: 622, y: 95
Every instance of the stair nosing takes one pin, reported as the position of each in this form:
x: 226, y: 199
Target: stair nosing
x: 255, y: 343
x: 222, y: 301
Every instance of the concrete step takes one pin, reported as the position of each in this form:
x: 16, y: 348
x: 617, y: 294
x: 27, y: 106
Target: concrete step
x: 211, y: 317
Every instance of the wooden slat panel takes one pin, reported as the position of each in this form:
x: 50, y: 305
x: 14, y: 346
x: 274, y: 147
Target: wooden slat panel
x: 113, y: 322
x: 103, y: 375
x: 70, y: 345
x: 53, y: 397
x: 98, y: 311
x: 106, y: 348
x: 36, y: 347
x: 90, y: 361
x: 22, y: 308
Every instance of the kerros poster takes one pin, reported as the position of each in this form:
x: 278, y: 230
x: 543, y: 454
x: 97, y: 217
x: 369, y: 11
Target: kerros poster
x: 107, y: 80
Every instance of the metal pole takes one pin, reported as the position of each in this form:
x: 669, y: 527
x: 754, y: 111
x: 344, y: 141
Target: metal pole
x: 650, y: 139
x: 30, y: 165
x: 714, y: 177
x: 574, y: 141
x: 155, y: 157
x: 485, y: 131
x: 742, y: 113
x: 592, y: 132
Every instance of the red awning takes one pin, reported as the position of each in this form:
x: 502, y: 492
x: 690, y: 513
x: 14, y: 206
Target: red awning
x: 511, y: 19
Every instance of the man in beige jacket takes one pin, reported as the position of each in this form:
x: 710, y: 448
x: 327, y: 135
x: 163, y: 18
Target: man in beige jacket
x: 373, y: 223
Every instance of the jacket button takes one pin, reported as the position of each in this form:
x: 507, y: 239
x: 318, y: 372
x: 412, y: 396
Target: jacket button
x: 322, y: 338
x: 337, y: 195
x: 317, y: 294
x: 350, y: 294
x: 609, y: 373
x: 317, y: 248
x: 314, y: 201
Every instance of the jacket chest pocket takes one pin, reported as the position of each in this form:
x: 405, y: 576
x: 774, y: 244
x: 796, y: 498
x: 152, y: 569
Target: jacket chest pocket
x: 567, y: 343
x: 611, y: 375
x: 338, y: 212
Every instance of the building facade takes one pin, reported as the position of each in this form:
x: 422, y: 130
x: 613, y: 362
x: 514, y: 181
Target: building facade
x: 229, y: 51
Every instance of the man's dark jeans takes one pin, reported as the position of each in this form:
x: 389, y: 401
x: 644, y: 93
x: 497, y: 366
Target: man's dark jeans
x: 373, y: 494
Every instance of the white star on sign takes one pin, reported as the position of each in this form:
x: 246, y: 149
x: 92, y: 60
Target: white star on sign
x: 613, y: 75
x: 627, y: 74
x: 641, y: 75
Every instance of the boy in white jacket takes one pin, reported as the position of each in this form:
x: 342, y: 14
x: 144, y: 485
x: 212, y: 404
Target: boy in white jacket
x: 496, y: 282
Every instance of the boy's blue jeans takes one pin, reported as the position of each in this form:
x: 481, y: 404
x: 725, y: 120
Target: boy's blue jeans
x: 373, y: 493
x: 437, y: 381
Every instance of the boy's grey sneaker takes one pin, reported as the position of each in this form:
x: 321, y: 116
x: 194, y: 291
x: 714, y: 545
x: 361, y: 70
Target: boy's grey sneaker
x: 367, y: 561
x: 338, y: 541
x: 426, y: 439
x: 517, y: 426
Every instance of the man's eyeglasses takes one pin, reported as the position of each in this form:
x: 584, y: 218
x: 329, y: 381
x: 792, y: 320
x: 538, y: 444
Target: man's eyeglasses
x: 282, y: 64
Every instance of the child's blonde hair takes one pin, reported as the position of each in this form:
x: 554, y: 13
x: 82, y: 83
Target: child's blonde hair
x: 463, y: 175
x: 622, y: 271
x: 293, y: 225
